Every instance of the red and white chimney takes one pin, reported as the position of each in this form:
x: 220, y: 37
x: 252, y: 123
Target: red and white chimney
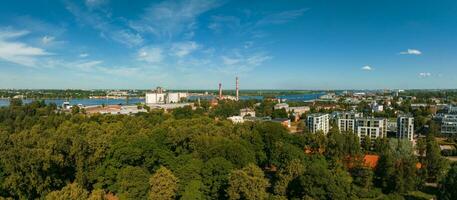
x: 220, y: 91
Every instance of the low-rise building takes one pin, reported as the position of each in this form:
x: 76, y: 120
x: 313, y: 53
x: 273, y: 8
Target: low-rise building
x: 318, y: 122
x: 281, y: 106
x: 236, y: 119
x: 247, y: 112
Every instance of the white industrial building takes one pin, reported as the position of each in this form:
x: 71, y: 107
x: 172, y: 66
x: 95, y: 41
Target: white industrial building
x: 405, y: 127
x: 161, y: 97
x: 318, y: 122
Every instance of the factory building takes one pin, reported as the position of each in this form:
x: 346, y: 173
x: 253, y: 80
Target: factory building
x: 159, y: 96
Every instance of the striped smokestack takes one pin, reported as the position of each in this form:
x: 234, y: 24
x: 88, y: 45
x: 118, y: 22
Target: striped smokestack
x: 220, y: 91
x: 237, y: 89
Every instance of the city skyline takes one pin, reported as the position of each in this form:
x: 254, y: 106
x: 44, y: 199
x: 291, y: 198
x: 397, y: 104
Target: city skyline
x: 197, y: 44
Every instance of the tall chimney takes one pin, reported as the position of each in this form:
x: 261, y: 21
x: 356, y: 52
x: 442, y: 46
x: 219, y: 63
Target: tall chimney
x: 237, y: 89
x: 220, y: 91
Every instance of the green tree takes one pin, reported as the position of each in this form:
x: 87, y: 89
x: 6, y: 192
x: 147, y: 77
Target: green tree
x: 164, y: 185
x: 248, y: 183
x: 449, y: 184
x: 435, y: 164
x: 132, y: 183
x: 72, y: 191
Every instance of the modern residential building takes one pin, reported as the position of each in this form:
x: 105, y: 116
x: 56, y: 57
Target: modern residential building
x: 405, y: 127
x: 448, y: 124
x: 371, y: 127
x: 346, y: 121
x: 318, y: 122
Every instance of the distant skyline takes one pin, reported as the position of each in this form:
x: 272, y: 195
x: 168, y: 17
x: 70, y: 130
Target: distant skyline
x: 196, y: 44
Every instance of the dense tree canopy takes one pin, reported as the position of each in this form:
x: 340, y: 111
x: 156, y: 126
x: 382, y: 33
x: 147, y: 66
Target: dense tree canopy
x: 190, y: 154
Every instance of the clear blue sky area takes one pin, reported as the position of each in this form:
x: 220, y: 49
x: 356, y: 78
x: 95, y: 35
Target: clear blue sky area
x: 195, y: 44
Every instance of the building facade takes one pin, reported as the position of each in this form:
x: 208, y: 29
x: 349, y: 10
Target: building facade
x: 449, y: 124
x: 405, y: 127
x: 159, y: 96
x: 318, y: 122
x: 346, y: 121
x: 371, y: 127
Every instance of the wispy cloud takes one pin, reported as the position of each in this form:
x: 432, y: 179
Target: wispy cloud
x: 18, y: 52
x: 182, y: 49
x: 281, y: 17
x: 169, y: 19
x: 367, y: 68
x: 425, y: 74
x: 150, y: 54
x: 411, y: 52
x: 83, y: 55
x: 243, y: 61
x: 103, y: 23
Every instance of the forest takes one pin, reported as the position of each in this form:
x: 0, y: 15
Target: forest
x: 197, y: 154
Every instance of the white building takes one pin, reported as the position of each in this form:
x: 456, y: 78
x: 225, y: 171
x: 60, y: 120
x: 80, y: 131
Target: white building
x: 281, y: 106
x: 346, y: 121
x: 299, y: 110
x: 247, y: 112
x: 155, y: 98
x: 375, y: 107
x: 236, y: 119
x: 318, y: 122
x: 161, y: 97
x: 371, y: 127
x: 405, y: 127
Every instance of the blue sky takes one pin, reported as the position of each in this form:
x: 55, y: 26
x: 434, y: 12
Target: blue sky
x: 195, y: 44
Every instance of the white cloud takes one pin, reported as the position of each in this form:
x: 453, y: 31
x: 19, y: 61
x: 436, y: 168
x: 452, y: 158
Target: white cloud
x: 256, y: 60
x: 425, y: 74
x: 128, y: 38
x: 172, y: 18
x: 47, y: 39
x: 105, y: 25
x: 83, y: 55
x: 411, y: 52
x: 367, y: 68
x: 281, y: 17
x: 184, y: 48
x: 150, y: 54
x: 18, y: 52
x: 87, y: 65
x: 230, y: 61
